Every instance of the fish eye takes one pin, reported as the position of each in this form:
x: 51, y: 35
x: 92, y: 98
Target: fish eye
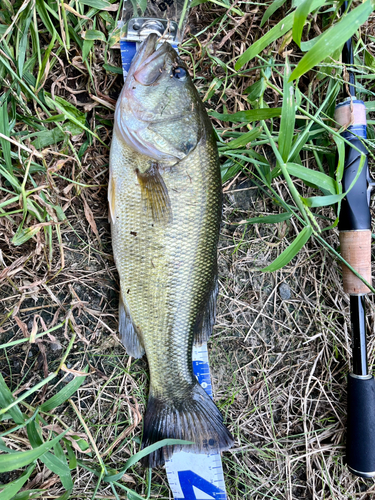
x: 179, y: 73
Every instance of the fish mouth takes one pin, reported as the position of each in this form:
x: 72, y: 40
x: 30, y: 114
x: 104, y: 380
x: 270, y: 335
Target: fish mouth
x: 150, y: 61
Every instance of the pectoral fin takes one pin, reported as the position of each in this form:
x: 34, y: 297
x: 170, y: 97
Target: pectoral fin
x: 112, y: 200
x: 130, y: 335
x: 155, y: 194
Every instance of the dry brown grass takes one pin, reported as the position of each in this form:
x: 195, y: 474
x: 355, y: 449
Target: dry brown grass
x: 281, y: 345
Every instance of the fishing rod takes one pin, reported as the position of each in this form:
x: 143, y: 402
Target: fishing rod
x: 355, y: 241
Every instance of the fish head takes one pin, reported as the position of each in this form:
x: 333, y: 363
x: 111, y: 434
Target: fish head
x: 159, y: 112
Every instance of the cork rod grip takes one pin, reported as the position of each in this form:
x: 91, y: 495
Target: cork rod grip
x: 356, y: 250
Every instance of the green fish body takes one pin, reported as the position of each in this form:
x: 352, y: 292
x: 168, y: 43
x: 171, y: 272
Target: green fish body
x: 165, y: 203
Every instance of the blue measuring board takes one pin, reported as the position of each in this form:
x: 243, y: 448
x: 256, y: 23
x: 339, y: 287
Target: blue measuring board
x: 128, y: 50
x: 191, y: 476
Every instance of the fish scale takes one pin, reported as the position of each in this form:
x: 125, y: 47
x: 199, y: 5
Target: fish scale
x: 146, y: 259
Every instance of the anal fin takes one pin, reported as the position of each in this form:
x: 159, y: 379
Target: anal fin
x: 155, y: 194
x: 130, y: 335
x: 206, y: 319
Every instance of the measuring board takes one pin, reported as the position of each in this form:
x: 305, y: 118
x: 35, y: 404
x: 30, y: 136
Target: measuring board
x: 191, y: 476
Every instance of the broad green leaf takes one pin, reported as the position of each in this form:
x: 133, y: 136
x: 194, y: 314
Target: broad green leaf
x: 70, y: 110
x: 29, y: 495
x: 276, y: 4
x: 65, y: 393
x: 333, y: 38
x: 289, y: 253
x: 370, y: 106
x: 214, y: 85
x: 3, y: 447
x: 229, y: 170
x: 55, y: 119
x: 323, y: 201
x: 247, y: 116
x: 288, y: 115
x: 273, y: 34
x: 57, y: 464
x: 59, y: 468
x: 306, y: 46
x: 319, y: 179
x: 369, y: 60
x: 300, y: 16
x: 13, y: 181
x: 11, y: 489
x: 42, y: 69
x: 244, y: 139
x: 112, y: 69
x: 94, y: 35
x: 19, y: 459
x: 55, y: 135
x: 133, y: 495
x: 340, y: 145
x: 270, y: 219
x: 22, y: 235
x: 6, y: 398
x: 86, y: 47
x: 256, y: 90
x: 21, y: 49
x: 138, y: 456
x: 97, y: 4
x: 44, y: 16
x: 71, y: 456
x: 5, y: 130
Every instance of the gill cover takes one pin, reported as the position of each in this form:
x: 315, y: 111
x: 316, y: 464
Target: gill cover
x: 158, y: 112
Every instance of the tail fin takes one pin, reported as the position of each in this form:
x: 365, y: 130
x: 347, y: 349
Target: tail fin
x: 196, y: 418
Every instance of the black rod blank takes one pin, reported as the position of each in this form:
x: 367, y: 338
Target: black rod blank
x: 358, y: 317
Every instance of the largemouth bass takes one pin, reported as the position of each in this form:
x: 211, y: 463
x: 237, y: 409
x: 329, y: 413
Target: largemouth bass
x: 165, y: 203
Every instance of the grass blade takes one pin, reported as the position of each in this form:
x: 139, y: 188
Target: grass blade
x: 288, y: 115
x: 248, y: 115
x: 97, y: 4
x: 64, y: 394
x: 6, y: 399
x: 58, y: 465
x: 289, y: 253
x: 334, y: 38
x: 243, y: 140
x: 19, y: 459
x: 300, y: 16
x: 5, y: 130
x: 271, y: 10
x: 272, y: 35
x: 270, y: 219
x: 322, y: 181
x: 14, y: 487
x: 138, y: 456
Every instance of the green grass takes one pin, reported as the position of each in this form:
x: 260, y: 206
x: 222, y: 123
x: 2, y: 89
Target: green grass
x: 272, y: 101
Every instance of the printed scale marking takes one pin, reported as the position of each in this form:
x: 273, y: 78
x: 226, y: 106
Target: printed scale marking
x: 191, y: 476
